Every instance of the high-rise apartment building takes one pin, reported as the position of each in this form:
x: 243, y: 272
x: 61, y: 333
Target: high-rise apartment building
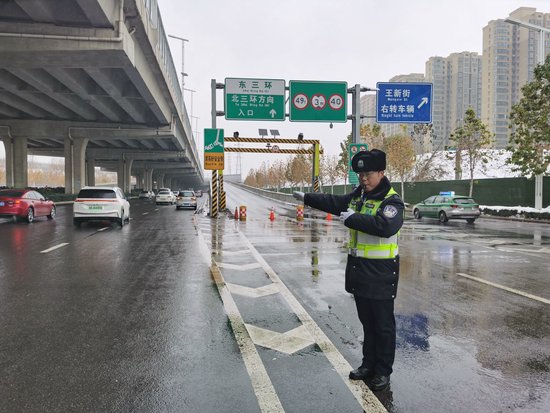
x: 456, y: 87
x: 436, y: 73
x: 509, y: 57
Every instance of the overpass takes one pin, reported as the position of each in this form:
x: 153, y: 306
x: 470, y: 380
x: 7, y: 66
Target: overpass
x: 93, y: 81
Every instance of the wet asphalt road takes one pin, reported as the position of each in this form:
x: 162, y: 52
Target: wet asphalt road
x: 131, y: 320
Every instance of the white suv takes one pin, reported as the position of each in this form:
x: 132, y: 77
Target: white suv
x: 101, y: 203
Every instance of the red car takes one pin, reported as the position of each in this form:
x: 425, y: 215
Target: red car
x: 25, y: 204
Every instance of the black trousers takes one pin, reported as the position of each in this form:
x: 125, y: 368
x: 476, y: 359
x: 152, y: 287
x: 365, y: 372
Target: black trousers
x: 379, y: 333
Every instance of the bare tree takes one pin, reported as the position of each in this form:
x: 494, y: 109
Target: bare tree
x: 372, y: 135
x: 427, y: 152
x: 473, y: 138
x: 330, y: 170
x: 400, y: 152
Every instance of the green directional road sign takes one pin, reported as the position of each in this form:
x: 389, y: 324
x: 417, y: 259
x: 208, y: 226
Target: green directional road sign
x: 353, y: 148
x: 254, y: 99
x: 213, y: 149
x: 312, y: 101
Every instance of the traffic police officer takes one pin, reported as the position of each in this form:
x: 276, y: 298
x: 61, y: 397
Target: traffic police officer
x: 374, y: 214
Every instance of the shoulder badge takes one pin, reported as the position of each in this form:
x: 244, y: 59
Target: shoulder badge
x: 390, y: 211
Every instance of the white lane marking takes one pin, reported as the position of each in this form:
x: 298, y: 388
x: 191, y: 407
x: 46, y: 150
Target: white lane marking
x: 368, y: 401
x: 253, y: 292
x: 261, y: 383
x: 54, y: 247
x: 145, y: 213
x: 502, y: 287
x: 239, y: 267
x: 102, y: 229
x: 156, y: 209
x: 288, y: 342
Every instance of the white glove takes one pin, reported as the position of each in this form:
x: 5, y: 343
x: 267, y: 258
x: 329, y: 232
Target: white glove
x: 298, y: 195
x: 346, y: 215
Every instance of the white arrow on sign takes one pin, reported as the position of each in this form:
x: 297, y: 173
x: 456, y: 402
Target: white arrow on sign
x: 422, y: 102
x: 272, y: 112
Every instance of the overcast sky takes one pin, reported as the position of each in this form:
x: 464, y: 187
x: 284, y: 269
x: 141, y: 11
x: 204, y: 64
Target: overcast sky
x: 358, y: 41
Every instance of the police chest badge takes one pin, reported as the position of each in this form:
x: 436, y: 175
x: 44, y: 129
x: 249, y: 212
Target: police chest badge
x: 390, y: 211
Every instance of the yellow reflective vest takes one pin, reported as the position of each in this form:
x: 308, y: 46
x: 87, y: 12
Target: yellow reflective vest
x: 371, y: 246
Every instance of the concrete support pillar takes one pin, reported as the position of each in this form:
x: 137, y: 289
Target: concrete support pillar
x: 20, y: 172
x: 90, y: 171
x: 75, y: 164
x: 79, y: 163
x: 68, y: 152
x: 124, y: 174
x: 148, y: 179
x: 8, y: 146
x: 120, y: 174
x: 127, y: 175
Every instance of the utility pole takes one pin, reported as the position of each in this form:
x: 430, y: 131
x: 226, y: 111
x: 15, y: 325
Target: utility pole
x: 183, y: 74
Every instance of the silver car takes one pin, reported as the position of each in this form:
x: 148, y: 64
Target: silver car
x: 186, y: 199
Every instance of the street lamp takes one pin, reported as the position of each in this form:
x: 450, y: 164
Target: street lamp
x: 540, y: 60
x: 192, y: 91
x: 183, y: 74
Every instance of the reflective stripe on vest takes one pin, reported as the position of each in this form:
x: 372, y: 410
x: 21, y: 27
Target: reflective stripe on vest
x: 371, y: 246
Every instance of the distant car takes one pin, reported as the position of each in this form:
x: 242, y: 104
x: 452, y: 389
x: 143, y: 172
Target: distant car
x: 25, y: 205
x: 101, y: 203
x: 146, y: 195
x: 165, y: 196
x: 198, y: 192
x: 186, y: 199
x: 447, y: 206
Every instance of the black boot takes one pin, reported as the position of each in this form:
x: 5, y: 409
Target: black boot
x: 361, y: 373
x: 379, y: 383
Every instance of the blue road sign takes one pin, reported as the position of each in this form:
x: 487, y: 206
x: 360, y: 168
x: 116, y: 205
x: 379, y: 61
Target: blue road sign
x: 404, y: 103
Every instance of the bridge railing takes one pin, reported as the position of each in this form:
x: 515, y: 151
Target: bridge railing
x: 166, y: 63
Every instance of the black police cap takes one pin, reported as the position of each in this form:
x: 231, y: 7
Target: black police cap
x: 367, y: 161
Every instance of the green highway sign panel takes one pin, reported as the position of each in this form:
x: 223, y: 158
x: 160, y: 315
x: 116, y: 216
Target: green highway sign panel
x: 353, y: 148
x: 254, y: 99
x: 213, y: 149
x: 316, y: 101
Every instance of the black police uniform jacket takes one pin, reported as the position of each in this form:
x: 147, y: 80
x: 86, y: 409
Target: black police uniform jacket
x: 369, y: 278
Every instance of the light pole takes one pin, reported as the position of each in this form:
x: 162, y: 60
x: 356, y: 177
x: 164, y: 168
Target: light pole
x: 192, y: 91
x: 540, y: 60
x: 183, y: 74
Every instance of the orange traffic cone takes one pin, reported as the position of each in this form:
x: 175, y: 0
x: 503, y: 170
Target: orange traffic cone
x: 236, y: 214
x: 272, y: 215
x: 329, y: 217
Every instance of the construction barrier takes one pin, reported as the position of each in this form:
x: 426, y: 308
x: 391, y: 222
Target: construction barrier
x: 300, y: 212
x: 242, y: 212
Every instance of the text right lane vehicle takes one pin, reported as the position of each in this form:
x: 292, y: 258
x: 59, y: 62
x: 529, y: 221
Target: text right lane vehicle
x: 447, y: 205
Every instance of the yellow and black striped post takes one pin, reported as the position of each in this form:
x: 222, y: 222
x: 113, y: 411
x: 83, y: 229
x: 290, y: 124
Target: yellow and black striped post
x: 214, y: 198
x: 316, y: 167
x: 316, y: 184
x: 222, y: 192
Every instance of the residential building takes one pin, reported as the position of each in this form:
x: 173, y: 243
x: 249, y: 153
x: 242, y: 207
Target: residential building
x: 509, y: 57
